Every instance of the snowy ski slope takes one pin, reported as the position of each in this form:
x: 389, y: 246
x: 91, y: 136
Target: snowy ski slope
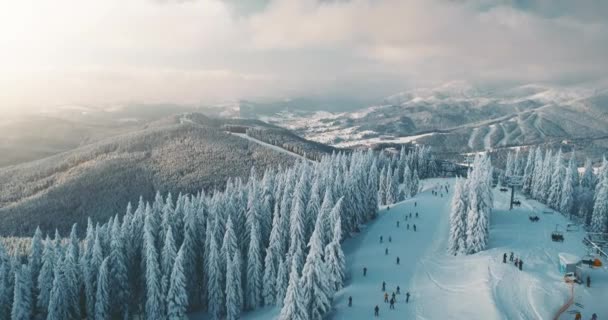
x: 478, y: 286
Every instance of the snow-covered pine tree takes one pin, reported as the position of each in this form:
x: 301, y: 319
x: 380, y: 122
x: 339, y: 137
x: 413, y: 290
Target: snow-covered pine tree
x: 557, y: 179
x: 255, y: 270
x: 118, y: 275
x: 371, y: 190
x: 547, y: 174
x: 599, y: 218
x: 177, y: 296
x: 528, y: 173
x: 22, y: 299
x: 458, y: 211
x: 45, y: 278
x: 233, y: 290
x: 382, y: 187
x: 313, y: 207
x: 215, y: 293
x: 72, y: 281
x: 588, y: 179
x: 538, y: 174
x: 293, y: 306
x: 390, y: 186
x: 269, y: 284
x: 35, y: 260
x: 154, y: 296
x: 316, y: 291
x: 282, y: 280
x: 102, y: 298
x: 326, y: 208
x: 334, y: 259
x: 415, y: 183
x: 567, y: 193
x: 167, y: 261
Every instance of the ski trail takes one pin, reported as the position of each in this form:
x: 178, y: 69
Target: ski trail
x: 268, y: 145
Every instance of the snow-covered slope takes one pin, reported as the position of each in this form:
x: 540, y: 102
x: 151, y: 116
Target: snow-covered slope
x: 465, y: 119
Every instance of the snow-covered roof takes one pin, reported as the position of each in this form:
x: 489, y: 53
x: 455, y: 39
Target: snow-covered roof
x: 567, y: 258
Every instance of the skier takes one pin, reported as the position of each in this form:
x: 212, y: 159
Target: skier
x: 521, y: 262
x: 594, y: 317
x: 397, y: 224
x: 414, y: 228
x: 516, y: 262
x: 376, y: 311
x: 410, y: 214
x: 398, y: 290
x: 415, y: 203
x: 504, y: 258
x: 408, y: 226
x: 364, y: 271
x: 398, y: 262
x: 406, y: 217
x: 407, y: 297
x: 383, y: 286
x: 385, y: 297
x: 386, y: 251
x: 390, y: 239
x: 578, y: 316
x: 393, y: 303
x: 381, y: 239
x: 393, y: 296
x: 511, y: 256
x: 416, y: 214
x: 588, y: 282
x: 350, y: 301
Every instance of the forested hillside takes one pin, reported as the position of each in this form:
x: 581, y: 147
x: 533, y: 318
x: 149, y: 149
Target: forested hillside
x: 274, y: 240
x: 184, y: 153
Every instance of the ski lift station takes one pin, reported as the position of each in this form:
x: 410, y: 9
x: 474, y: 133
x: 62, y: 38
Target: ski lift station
x: 570, y: 263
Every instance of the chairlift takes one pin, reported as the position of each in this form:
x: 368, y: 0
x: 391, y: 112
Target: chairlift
x: 557, y: 236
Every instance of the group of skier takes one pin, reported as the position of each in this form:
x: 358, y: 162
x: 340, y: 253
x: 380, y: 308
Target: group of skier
x: 518, y: 262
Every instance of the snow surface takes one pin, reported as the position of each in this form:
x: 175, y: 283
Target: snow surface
x: 268, y: 145
x: 478, y: 286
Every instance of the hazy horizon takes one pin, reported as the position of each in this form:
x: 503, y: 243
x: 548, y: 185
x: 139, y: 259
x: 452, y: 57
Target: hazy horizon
x: 108, y: 53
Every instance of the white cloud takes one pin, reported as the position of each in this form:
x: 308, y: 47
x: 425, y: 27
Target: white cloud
x: 111, y: 51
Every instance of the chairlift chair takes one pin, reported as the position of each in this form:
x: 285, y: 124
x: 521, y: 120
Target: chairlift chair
x: 557, y: 236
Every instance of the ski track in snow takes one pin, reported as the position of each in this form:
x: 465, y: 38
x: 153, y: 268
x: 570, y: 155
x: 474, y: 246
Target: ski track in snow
x: 268, y: 145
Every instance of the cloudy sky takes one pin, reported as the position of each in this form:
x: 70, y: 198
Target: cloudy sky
x: 112, y: 52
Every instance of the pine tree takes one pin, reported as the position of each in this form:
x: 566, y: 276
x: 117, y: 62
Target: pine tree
x: 102, y: 298
x: 214, y: 281
x: 118, y: 274
x: 167, y: 262
x: 177, y: 296
x: 22, y: 298
x: 382, y: 187
x: 233, y: 291
x: 45, y: 278
x: 599, y: 218
x: 35, y: 259
x: 390, y: 187
x: 334, y: 259
x: 154, y: 295
x: 316, y: 291
x: 282, y: 281
x: 254, y: 269
x: 58, y: 302
x: 528, y: 173
x: 457, y: 240
x: 588, y: 179
x: 269, y: 284
x: 567, y: 193
x: 415, y: 183
x: 557, y: 178
x: 293, y: 307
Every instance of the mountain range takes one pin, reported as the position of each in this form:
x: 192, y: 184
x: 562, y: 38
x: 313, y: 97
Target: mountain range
x: 457, y: 118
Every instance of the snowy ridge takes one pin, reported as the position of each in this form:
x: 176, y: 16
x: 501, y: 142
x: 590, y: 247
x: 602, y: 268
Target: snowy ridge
x: 270, y: 146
